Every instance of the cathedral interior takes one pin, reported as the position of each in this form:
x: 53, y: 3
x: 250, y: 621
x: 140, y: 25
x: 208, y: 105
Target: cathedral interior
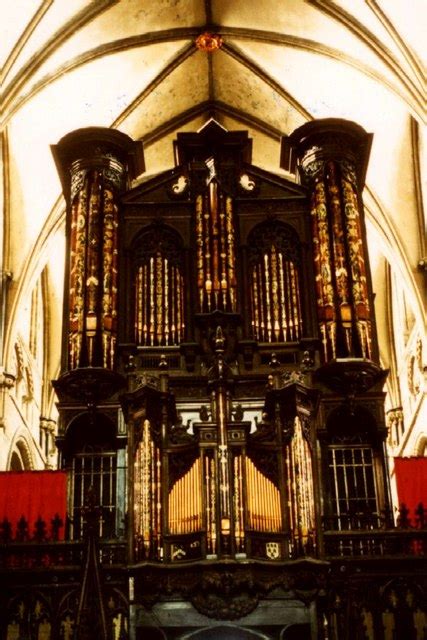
x: 213, y: 416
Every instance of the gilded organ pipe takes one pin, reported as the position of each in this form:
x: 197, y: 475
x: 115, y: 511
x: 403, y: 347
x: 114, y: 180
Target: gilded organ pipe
x: 213, y: 498
x: 159, y: 302
x: 231, y: 258
x: 275, y: 293
x: 215, y: 251
x: 223, y: 253
x: 166, y: 301
x: 359, y: 286
x: 147, y: 494
x: 78, y: 239
x: 267, y: 295
x: 300, y: 482
x: 185, y: 515
x: 275, y: 298
x: 283, y: 297
x: 264, y: 510
x: 261, y: 304
x: 200, y: 249
x: 94, y: 165
x: 239, y: 531
x: 332, y: 161
x: 93, y: 265
x: 208, y: 510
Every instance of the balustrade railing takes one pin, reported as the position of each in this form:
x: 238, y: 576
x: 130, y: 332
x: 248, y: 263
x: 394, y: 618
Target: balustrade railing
x: 47, y: 545
x: 370, y: 534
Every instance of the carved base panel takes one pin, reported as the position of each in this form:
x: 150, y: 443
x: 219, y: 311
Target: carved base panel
x: 236, y: 599
x: 273, y: 618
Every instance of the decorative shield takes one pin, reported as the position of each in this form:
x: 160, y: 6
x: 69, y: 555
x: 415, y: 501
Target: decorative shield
x: 272, y: 550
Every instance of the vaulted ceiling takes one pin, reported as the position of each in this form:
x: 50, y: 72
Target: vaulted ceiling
x: 134, y: 65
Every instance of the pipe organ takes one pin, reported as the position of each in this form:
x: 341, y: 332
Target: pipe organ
x: 226, y: 313
x: 223, y: 490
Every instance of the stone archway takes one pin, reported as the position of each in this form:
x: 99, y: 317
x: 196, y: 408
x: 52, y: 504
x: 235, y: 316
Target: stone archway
x: 224, y: 632
x: 20, y: 458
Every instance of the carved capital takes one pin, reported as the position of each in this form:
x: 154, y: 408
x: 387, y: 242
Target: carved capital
x: 313, y: 144
x: 48, y: 425
x: 107, y: 150
x: 7, y: 381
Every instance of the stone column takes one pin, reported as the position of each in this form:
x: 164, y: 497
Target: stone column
x: 47, y: 441
x: 331, y: 156
x: 94, y: 166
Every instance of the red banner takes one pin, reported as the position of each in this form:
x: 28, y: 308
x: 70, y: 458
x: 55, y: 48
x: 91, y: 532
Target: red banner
x: 34, y: 495
x: 411, y: 481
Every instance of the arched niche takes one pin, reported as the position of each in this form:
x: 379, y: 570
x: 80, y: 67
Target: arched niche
x: 274, y: 261
x: 158, y: 287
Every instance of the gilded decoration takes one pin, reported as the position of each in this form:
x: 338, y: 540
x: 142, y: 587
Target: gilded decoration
x: 274, y: 283
x: 209, y: 42
x: 216, y: 255
x: 93, y: 279
x: 339, y: 261
x: 159, y: 288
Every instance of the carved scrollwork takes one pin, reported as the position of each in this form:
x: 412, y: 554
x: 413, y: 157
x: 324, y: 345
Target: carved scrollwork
x: 288, y: 429
x: 276, y: 233
x: 291, y: 377
x: 226, y: 595
x: 179, y: 187
x: 179, y: 433
x: 77, y: 180
x: 248, y: 185
x: 265, y: 430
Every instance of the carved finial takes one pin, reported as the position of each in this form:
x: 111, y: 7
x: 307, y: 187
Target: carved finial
x: 130, y: 364
x: 307, y: 361
x: 163, y: 364
x: 219, y: 341
x: 274, y: 377
x: 210, y: 163
x: 274, y: 362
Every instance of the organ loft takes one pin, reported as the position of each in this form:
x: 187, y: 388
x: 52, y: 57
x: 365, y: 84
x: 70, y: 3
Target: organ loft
x: 221, y: 398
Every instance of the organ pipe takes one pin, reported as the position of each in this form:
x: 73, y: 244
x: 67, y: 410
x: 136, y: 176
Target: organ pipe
x: 159, y: 302
x: 147, y: 494
x: 300, y: 490
x: 238, y: 501
x: 215, y: 251
x: 275, y: 298
x: 185, y: 512
x: 94, y: 165
x: 332, y: 161
x: 263, y: 508
x: 93, y: 274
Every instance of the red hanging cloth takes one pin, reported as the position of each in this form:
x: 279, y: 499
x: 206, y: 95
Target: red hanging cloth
x: 34, y: 495
x: 411, y: 481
